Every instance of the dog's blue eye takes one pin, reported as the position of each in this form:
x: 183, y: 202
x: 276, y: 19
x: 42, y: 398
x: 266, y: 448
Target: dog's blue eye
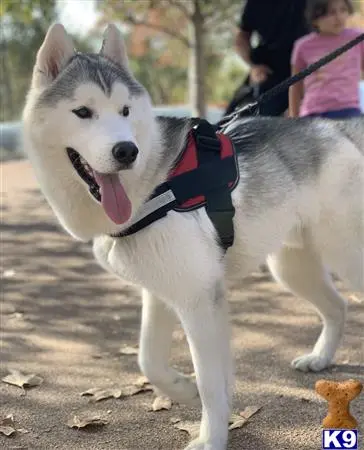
x: 83, y: 112
x: 125, y: 111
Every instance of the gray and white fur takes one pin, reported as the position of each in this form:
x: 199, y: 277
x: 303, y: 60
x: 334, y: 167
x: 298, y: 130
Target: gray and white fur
x: 299, y: 205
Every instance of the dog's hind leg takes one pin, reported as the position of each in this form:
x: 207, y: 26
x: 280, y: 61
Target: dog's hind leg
x: 301, y: 271
x: 158, y: 323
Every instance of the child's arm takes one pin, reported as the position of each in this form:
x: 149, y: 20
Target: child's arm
x: 296, y: 92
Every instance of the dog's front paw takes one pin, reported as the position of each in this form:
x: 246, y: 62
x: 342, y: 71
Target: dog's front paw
x: 186, y: 391
x: 200, y: 444
x: 180, y: 388
x: 311, y: 362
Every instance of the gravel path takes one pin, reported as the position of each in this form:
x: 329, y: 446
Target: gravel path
x: 65, y: 320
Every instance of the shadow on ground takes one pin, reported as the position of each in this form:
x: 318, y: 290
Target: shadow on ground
x: 65, y: 319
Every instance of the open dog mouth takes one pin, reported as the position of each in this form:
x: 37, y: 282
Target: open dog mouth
x: 106, y: 188
x: 85, y: 172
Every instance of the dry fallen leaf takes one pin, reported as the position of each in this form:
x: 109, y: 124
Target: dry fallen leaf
x: 128, y: 390
x: 8, y: 420
x: 355, y: 298
x: 175, y: 420
x: 85, y: 419
x: 132, y: 389
x: 17, y: 315
x: 141, y: 381
x: 192, y: 428
x: 8, y: 431
x: 98, y: 394
x: 238, y: 423
x: 7, y: 425
x: 234, y: 417
x: 127, y: 350
x: 250, y: 411
x: 7, y: 309
x: 161, y: 402
x: 235, y: 421
x: 238, y: 420
x: 22, y: 380
x: 8, y: 273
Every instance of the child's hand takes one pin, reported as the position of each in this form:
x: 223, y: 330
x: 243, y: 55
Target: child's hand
x: 259, y: 73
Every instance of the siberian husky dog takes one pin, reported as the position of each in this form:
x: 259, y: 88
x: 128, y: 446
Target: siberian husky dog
x: 89, y: 126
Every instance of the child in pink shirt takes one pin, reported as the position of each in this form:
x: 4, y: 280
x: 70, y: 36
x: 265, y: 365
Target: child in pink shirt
x: 333, y: 90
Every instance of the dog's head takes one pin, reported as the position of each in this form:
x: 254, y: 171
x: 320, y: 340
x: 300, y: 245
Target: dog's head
x: 88, y: 128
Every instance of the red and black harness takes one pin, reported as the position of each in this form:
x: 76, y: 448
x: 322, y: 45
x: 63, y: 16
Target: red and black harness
x: 207, y: 171
x: 204, y: 175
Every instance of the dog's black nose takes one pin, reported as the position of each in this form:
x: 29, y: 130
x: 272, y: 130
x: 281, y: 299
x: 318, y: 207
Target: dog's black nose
x: 125, y: 152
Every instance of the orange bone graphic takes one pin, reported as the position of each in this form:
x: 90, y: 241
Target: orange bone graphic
x: 339, y: 395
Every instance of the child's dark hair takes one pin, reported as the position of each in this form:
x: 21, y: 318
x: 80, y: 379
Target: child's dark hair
x: 320, y: 8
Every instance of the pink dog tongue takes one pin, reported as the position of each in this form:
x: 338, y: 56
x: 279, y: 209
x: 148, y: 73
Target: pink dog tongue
x: 113, y: 197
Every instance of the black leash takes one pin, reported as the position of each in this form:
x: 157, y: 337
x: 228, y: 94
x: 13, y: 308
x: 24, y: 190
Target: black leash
x: 252, y: 109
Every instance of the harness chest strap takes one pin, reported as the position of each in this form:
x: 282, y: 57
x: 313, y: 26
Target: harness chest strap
x: 204, y: 175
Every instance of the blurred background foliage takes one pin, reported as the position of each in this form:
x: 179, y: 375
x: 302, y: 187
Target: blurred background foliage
x: 159, y: 60
x: 161, y: 40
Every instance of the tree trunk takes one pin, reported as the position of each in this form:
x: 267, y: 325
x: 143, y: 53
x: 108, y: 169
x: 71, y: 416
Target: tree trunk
x: 196, y: 69
x: 7, y: 103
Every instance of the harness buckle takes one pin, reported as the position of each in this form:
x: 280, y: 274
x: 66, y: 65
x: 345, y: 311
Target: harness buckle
x: 205, y: 137
x: 208, y: 143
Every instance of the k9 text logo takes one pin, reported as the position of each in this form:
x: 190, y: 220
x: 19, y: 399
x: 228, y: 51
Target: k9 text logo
x: 343, y: 439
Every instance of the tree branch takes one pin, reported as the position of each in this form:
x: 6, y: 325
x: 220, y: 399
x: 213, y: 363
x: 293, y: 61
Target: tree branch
x: 181, y: 7
x: 134, y: 21
x: 221, y: 16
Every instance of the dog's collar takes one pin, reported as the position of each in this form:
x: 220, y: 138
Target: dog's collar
x: 203, y: 175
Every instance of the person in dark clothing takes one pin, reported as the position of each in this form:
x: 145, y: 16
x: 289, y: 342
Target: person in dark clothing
x: 278, y: 24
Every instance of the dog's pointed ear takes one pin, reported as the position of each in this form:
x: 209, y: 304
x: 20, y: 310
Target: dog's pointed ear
x: 113, y: 46
x: 57, y: 49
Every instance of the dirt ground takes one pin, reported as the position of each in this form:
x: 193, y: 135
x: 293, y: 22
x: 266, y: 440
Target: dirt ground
x: 65, y: 320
